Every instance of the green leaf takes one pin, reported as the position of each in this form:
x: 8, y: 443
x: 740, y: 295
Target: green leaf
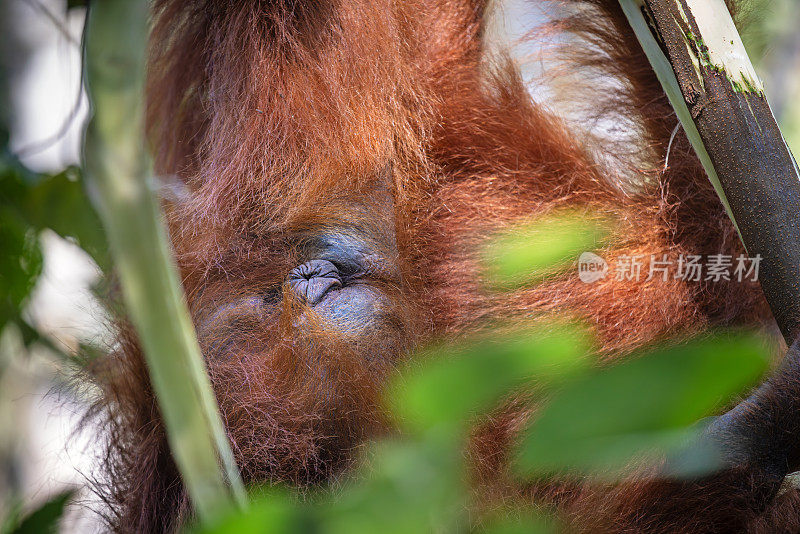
x: 13, y: 507
x: 30, y: 203
x: 454, y: 384
x: 20, y: 263
x: 45, y: 519
x: 59, y: 202
x: 409, y: 486
x: 273, y: 512
x: 547, y: 245
x: 419, y: 485
x: 14, y: 181
x: 601, y: 422
x: 523, y: 522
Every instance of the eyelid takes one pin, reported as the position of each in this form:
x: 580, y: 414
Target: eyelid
x: 349, y: 270
x: 272, y: 296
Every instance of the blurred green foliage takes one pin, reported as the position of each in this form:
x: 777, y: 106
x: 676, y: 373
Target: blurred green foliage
x: 644, y: 406
x: 43, y: 520
x: 29, y: 204
x: 770, y: 33
x: 593, y: 420
x: 455, y: 383
x: 543, y: 247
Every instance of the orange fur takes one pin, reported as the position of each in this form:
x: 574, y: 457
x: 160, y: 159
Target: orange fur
x: 284, y: 120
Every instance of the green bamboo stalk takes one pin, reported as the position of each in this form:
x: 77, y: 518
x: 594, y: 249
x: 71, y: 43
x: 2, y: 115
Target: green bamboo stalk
x: 119, y: 181
x: 701, y: 62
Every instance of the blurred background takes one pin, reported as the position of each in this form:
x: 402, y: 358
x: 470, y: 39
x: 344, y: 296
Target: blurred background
x: 41, y: 452
x: 43, y: 108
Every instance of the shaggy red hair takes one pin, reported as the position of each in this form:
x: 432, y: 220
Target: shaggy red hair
x: 284, y: 118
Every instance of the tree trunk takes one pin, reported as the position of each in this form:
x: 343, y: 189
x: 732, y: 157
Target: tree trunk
x: 721, y: 103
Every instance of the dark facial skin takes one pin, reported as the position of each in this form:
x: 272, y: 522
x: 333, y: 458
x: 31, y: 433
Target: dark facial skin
x: 300, y: 340
x: 343, y: 286
x: 351, y: 284
x: 341, y: 279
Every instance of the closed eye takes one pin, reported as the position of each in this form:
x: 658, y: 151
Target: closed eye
x: 272, y: 296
